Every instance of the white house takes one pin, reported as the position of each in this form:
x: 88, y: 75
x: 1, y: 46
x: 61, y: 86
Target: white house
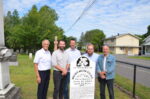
x: 146, y: 46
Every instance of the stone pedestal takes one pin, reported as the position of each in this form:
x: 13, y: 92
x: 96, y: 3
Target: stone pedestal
x: 4, y: 75
x: 10, y: 92
x: 7, y: 89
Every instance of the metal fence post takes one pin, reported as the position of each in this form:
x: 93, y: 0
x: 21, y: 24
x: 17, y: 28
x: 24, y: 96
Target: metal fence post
x: 134, y: 81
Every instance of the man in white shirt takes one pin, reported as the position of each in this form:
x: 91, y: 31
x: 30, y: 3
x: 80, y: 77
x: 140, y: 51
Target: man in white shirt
x: 73, y: 55
x: 42, y: 66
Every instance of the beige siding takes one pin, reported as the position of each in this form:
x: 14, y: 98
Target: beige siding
x: 126, y: 50
x: 126, y: 44
x: 112, y: 50
x: 136, y: 51
x: 119, y: 51
x: 127, y: 40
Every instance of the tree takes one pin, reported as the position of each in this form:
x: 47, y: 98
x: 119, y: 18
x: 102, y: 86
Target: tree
x: 67, y: 40
x: 144, y: 35
x: 10, y: 23
x: 95, y: 37
x: 28, y: 31
x: 81, y: 41
x: 15, y: 17
x: 148, y: 32
x: 7, y: 26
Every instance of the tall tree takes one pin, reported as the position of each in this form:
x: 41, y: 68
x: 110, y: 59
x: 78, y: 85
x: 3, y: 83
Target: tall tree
x: 7, y: 26
x: 28, y: 31
x: 81, y: 41
x: 47, y: 27
x: 10, y: 23
x: 67, y: 40
x: 30, y: 28
x: 15, y: 17
x: 95, y: 37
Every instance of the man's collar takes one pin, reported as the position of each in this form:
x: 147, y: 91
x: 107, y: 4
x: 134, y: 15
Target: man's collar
x: 44, y: 50
x: 91, y: 54
x: 106, y: 56
x: 61, y: 50
x: 72, y: 49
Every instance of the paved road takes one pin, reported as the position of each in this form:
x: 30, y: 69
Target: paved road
x: 143, y: 75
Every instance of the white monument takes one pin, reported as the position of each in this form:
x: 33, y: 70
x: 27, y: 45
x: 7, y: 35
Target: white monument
x: 82, y: 79
x: 7, y: 89
x: 30, y: 55
x: 1, y: 25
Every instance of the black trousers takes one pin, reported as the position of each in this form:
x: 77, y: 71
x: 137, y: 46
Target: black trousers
x: 59, y: 82
x: 109, y: 83
x: 43, y: 86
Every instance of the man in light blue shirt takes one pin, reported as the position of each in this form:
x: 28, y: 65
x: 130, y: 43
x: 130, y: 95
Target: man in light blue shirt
x: 90, y: 53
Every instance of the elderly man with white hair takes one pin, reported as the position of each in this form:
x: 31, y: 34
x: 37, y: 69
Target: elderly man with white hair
x: 42, y: 66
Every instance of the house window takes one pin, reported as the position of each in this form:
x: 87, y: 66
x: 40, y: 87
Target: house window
x: 111, y: 49
x: 121, y: 48
x: 112, y: 40
x: 147, y: 48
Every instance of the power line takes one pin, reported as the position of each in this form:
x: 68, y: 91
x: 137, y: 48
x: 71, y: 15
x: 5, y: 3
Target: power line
x: 83, y: 12
x: 88, y: 6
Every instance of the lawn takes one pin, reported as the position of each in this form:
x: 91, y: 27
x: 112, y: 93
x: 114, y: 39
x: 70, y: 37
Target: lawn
x: 142, y: 91
x: 23, y: 76
x: 140, y: 57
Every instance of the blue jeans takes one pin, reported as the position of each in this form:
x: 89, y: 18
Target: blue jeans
x: 66, y: 86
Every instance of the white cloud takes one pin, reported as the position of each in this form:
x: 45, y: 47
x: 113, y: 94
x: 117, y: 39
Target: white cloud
x: 111, y: 16
x: 21, y: 5
x: 129, y: 18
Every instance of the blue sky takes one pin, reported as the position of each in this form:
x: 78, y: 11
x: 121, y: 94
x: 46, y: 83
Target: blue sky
x: 111, y: 16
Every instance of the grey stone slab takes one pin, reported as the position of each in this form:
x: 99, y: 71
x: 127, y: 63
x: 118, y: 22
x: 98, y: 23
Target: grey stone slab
x: 11, y: 92
x: 1, y: 24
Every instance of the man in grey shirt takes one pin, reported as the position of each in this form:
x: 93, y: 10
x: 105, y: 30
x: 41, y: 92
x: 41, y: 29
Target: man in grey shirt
x: 60, y: 61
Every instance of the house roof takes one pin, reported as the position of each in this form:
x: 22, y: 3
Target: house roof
x: 146, y: 43
x: 146, y: 38
x: 120, y: 35
x: 124, y: 46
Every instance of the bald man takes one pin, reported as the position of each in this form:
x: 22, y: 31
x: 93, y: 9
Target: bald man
x: 106, y: 72
x: 42, y: 66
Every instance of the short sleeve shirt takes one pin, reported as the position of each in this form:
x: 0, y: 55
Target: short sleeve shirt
x: 60, y: 58
x: 43, y: 59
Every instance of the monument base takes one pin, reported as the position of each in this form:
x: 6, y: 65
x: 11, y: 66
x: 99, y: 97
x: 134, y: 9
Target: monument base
x: 11, y: 92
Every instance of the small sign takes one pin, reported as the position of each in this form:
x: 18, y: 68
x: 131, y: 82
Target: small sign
x: 82, y: 78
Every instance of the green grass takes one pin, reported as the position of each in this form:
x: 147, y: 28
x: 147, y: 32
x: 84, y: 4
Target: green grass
x: 140, y: 57
x: 118, y: 93
x: 24, y: 77
x: 142, y: 91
